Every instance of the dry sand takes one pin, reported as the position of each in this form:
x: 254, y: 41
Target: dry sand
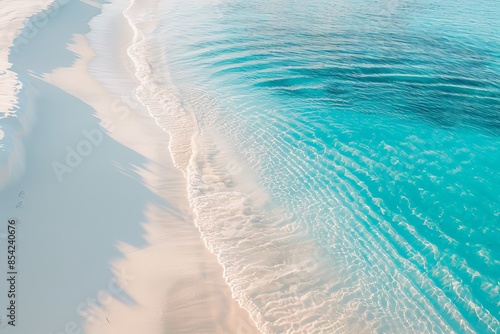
x: 106, y: 239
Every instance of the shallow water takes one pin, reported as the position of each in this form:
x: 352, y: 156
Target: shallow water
x: 342, y: 158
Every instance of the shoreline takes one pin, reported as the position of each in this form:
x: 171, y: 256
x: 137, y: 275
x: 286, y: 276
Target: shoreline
x: 218, y: 167
x: 104, y: 203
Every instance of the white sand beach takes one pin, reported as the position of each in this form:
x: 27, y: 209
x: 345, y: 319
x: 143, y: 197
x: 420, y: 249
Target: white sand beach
x: 105, y: 240
x: 245, y: 167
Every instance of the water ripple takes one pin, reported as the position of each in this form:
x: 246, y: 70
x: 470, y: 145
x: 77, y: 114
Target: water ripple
x: 368, y: 134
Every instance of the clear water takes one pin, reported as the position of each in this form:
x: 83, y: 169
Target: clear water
x: 371, y: 131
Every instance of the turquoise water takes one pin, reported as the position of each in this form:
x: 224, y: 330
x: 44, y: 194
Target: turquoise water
x: 374, y: 128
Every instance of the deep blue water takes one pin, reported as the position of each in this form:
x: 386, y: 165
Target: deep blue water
x: 375, y: 126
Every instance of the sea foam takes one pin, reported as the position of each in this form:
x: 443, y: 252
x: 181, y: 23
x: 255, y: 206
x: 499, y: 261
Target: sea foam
x: 320, y: 166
